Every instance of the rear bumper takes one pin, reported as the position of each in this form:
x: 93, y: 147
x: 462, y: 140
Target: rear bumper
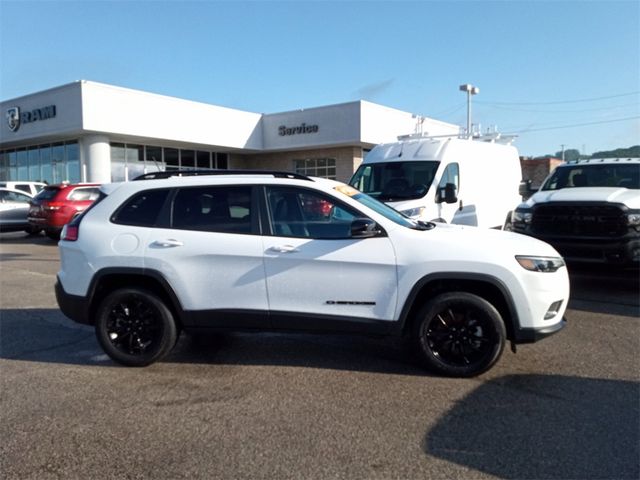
x: 73, y: 306
x: 531, y: 335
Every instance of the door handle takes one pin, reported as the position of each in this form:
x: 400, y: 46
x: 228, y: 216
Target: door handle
x: 168, y: 243
x: 284, y: 249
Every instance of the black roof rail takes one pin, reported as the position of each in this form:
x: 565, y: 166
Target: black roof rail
x: 197, y: 173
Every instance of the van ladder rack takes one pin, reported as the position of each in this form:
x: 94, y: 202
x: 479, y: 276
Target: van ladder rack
x: 197, y: 173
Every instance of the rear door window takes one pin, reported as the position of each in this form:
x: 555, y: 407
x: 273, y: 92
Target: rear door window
x: 224, y: 209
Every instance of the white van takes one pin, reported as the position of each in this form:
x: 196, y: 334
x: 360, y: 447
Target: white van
x: 445, y: 179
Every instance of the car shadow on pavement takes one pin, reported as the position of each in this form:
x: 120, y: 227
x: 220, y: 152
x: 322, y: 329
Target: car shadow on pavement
x: 326, y: 351
x: 46, y: 335
x: 543, y: 427
x: 599, y: 289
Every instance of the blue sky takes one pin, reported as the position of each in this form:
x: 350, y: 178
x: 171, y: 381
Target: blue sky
x: 541, y: 66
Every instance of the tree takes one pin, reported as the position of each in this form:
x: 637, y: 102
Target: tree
x: 569, y: 155
x: 619, y: 153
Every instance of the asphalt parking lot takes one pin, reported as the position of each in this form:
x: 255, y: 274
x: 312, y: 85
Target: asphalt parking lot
x: 301, y: 406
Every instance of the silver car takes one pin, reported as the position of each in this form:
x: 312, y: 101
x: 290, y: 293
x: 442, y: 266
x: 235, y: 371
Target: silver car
x: 14, y: 207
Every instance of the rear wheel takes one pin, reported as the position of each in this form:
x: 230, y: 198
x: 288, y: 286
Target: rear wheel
x: 134, y: 327
x: 459, y: 334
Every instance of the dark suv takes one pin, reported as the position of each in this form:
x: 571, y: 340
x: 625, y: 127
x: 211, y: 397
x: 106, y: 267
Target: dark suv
x: 57, y: 205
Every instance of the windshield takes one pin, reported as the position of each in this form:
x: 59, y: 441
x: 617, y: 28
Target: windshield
x: 595, y: 175
x: 392, y: 181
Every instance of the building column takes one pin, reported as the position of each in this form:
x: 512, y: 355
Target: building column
x: 96, y: 159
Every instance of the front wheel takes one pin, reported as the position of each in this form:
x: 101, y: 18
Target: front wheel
x: 134, y: 327
x: 459, y: 334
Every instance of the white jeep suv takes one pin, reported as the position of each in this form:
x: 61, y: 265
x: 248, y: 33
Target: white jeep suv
x: 238, y: 250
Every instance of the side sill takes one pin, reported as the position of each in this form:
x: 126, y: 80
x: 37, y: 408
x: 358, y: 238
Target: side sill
x: 241, y: 320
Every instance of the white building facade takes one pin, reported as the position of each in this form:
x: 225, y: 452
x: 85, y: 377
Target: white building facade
x: 92, y: 132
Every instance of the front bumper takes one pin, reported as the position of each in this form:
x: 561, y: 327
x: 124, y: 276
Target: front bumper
x: 531, y: 335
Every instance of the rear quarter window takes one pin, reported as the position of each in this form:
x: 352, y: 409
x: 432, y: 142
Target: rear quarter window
x: 48, y: 193
x: 142, y: 209
x: 84, y: 194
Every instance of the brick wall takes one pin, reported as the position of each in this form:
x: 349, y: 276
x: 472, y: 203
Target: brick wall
x: 537, y: 169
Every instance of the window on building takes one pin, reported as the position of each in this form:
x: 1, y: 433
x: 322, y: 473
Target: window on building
x: 34, y: 164
x: 203, y: 159
x: 187, y: 159
x: 45, y: 163
x: 171, y: 158
x: 154, y: 161
x: 221, y: 160
x: 316, y: 167
x: 13, y: 165
x: 154, y: 155
x: 23, y: 165
x: 73, y: 162
x: 118, y: 162
x: 4, y: 166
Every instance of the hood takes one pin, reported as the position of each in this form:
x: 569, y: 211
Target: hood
x: 628, y: 197
x: 481, y: 241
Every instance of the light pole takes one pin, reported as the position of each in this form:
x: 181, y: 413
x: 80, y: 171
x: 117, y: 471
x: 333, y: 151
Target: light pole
x: 471, y: 90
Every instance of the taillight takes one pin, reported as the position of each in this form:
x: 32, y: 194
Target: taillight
x: 70, y: 232
x: 52, y: 205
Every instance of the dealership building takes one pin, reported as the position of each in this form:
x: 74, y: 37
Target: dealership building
x: 92, y: 132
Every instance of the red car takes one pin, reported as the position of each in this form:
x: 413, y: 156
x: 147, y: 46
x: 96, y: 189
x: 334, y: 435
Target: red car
x: 57, y: 205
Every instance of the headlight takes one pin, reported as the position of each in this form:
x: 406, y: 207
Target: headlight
x: 413, y: 212
x: 522, y: 216
x: 540, y: 264
x: 633, y: 218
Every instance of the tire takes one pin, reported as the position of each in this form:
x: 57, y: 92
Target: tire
x: 53, y: 234
x: 135, y: 328
x: 458, y: 334
x: 33, y: 230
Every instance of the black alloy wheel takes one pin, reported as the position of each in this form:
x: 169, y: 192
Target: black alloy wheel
x: 134, y: 327
x: 459, y: 334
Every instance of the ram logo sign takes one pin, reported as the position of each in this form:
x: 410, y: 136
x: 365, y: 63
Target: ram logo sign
x: 15, y: 118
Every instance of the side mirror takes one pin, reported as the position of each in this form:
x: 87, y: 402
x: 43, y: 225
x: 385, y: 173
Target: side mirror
x: 448, y: 194
x: 525, y: 189
x: 364, y: 228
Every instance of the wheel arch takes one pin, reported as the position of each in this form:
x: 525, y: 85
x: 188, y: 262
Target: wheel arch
x: 109, y: 279
x: 488, y: 287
